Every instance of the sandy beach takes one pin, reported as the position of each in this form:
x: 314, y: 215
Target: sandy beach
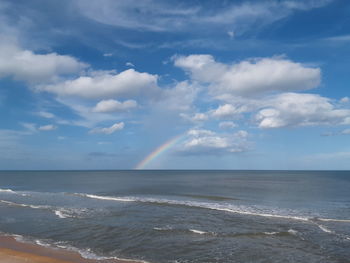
x: 12, y: 251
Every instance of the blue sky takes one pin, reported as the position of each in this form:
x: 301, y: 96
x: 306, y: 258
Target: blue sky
x: 101, y: 84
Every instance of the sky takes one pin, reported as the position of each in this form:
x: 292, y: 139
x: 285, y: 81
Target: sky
x: 147, y: 84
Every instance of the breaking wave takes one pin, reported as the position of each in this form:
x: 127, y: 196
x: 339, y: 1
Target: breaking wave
x: 85, y: 253
x: 10, y: 191
x: 213, y: 206
x: 61, y: 212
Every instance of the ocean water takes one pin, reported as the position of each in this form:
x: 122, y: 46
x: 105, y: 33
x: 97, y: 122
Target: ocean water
x: 182, y: 216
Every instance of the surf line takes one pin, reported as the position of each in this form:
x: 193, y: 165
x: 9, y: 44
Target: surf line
x: 159, y: 151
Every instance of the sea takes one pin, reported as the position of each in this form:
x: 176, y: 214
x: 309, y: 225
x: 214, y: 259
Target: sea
x: 182, y: 216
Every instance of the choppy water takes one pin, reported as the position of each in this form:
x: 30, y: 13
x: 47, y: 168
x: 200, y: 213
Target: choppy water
x: 183, y: 216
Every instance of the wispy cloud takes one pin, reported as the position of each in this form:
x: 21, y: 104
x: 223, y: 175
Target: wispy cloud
x: 170, y: 16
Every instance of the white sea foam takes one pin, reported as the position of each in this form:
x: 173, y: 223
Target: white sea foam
x: 243, y: 210
x: 88, y: 254
x: 69, y: 212
x: 25, y: 205
x: 198, y: 231
x: 325, y: 229
x: 213, y: 206
x: 85, y: 253
x: 18, y: 238
x: 163, y: 228
x: 7, y: 191
x: 110, y: 198
x: 43, y: 243
x: 333, y: 220
x: 10, y: 191
x: 60, y: 214
x: 271, y: 233
x: 293, y: 232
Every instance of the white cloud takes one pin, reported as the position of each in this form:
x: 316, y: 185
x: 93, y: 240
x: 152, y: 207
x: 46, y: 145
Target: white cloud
x: 108, y: 130
x: 339, y: 39
x: 173, y: 16
x: 200, y: 132
x: 227, y: 125
x: 107, y: 54
x: 228, y: 111
x: 250, y: 77
x: 231, y: 34
x: 87, y: 117
x: 129, y: 64
x: 200, y: 117
x: 106, y: 84
x: 294, y: 109
x: 210, y: 142
x: 27, y: 66
x: 114, y: 106
x: 29, y: 126
x: 45, y: 114
x: 197, y: 117
x: 49, y: 127
x: 344, y: 100
x: 180, y: 97
x: 345, y: 132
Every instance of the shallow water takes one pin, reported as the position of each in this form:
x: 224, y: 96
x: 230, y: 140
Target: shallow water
x: 183, y: 216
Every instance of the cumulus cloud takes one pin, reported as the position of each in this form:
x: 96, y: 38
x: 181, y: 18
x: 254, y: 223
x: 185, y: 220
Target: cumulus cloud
x: 250, y: 77
x: 49, y: 127
x: 201, y: 141
x: 344, y: 100
x: 200, y: 117
x: 26, y: 65
x: 180, y: 97
x: 114, y: 106
x: 108, y: 130
x: 299, y: 109
x: 106, y: 84
x: 228, y: 111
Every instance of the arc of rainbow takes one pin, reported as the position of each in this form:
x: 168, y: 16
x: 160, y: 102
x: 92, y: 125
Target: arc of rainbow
x: 159, y: 151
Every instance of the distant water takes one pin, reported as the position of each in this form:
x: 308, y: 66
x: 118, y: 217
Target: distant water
x: 183, y: 216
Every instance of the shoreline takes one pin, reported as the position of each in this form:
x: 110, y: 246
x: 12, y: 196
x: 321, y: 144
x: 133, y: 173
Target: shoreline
x: 14, y: 251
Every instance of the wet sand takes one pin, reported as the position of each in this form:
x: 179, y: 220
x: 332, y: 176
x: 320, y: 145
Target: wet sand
x: 12, y: 251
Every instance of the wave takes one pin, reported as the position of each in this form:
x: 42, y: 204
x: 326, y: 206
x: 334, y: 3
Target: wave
x: 10, y: 191
x: 85, y: 253
x: 166, y: 228
x: 292, y: 232
x: 213, y: 206
x: 198, y: 231
x: 248, y: 234
x: 210, y: 197
x: 65, y: 212
x: 325, y: 229
x: 7, y: 191
x: 61, y: 212
x: 271, y: 233
x: 333, y: 220
x: 25, y: 205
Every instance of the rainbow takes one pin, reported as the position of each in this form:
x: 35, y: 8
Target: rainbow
x: 159, y: 151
